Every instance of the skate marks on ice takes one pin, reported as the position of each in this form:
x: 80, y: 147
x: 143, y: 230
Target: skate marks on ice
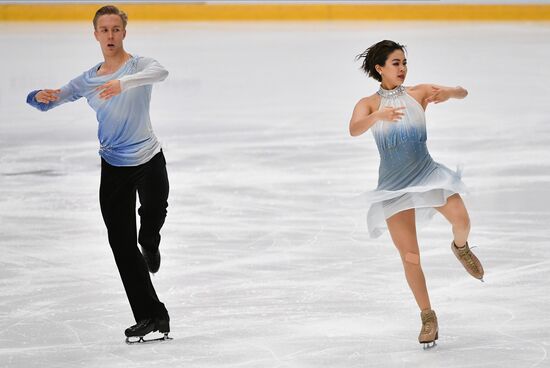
x: 35, y: 172
x: 265, y: 261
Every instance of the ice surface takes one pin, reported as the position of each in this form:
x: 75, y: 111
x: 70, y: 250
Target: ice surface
x: 266, y: 256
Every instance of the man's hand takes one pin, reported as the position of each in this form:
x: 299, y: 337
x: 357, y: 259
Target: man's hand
x: 109, y: 89
x: 47, y: 95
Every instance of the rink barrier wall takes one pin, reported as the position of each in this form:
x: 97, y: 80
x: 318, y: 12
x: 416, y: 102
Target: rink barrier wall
x: 281, y: 12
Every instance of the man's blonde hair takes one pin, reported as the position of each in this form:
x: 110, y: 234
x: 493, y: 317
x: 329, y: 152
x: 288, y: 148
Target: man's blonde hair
x: 110, y: 9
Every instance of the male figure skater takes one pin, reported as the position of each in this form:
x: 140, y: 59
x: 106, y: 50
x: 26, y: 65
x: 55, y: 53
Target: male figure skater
x: 119, y: 90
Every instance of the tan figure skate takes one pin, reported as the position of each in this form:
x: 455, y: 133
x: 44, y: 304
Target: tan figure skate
x: 468, y: 260
x: 430, y: 330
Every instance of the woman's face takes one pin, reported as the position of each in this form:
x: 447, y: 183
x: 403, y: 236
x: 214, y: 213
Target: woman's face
x: 394, y: 71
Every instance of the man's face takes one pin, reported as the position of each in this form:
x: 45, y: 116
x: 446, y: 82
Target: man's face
x: 110, y: 33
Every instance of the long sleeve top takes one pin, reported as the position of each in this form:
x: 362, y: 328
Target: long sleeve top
x: 125, y: 134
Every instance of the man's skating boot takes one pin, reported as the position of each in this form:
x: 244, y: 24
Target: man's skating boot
x: 141, y: 328
x: 468, y: 260
x: 145, y: 327
x: 430, y: 330
x: 152, y: 259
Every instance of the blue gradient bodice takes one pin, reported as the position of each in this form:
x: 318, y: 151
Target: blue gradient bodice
x: 402, y: 144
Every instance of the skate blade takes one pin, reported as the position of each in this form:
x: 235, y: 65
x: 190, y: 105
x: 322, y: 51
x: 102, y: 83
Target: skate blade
x: 429, y: 345
x: 141, y: 340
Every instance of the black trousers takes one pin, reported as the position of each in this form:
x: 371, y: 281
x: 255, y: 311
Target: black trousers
x: 117, y: 197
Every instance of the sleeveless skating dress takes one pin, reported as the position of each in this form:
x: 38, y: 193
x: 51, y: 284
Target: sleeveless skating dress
x: 408, y: 176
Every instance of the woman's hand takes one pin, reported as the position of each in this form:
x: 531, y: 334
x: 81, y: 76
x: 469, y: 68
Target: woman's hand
x: 366, y: 114
x: 109, y: 89
x: 438, y: 95
x: 47, y: 95
x: 393, y: 114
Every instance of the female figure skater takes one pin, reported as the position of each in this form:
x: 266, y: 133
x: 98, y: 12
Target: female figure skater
x: 119, y: 90
x: 411, y: 184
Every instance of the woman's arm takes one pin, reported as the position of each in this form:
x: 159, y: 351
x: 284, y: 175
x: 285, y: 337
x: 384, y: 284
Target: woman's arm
x: 364, y: 117
x: 438, y: 94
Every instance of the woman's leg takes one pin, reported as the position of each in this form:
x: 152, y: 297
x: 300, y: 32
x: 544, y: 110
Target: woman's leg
x: 402, y: 229
x: 455, y: 212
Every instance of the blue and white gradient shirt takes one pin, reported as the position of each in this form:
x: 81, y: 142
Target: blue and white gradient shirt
x: 125, y: 133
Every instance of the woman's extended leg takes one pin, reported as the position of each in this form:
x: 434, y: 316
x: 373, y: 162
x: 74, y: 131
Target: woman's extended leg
x: 455, y: 211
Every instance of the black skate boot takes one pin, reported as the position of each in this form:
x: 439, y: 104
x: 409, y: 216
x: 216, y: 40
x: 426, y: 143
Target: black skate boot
x: 163, y: 325
x: 152, y: 259
x: 145, y: 327
x: 141, y: 328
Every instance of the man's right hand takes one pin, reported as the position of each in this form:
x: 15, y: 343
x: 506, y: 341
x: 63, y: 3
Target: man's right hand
x: 47, y: 95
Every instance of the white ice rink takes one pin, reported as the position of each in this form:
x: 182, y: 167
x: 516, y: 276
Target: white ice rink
x: 266, y: 257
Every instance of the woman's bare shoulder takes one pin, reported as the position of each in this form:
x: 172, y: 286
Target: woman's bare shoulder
x: 371, y: 101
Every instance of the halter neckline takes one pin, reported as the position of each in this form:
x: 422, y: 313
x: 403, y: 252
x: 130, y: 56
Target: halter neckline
x: 388, y: 93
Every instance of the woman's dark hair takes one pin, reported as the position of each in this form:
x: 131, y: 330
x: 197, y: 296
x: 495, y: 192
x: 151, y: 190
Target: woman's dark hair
x: 110, y: 9
x: 377, y: 54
